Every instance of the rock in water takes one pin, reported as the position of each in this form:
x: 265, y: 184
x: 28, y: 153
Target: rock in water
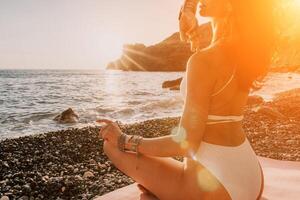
x: 67, y: 116
x: 172, y: 84
x: 175, y: 88
x: 255, y: 100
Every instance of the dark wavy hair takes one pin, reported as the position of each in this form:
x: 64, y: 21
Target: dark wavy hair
x: 253, y: 23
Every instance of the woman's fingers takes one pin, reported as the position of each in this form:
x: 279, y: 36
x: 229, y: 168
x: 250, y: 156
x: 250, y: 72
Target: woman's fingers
x: 103, y: 130
x: 104, y: 136
x: 188, y: 30
x: 183, y: 37
x: 110, y: 127
x: 107, y: 121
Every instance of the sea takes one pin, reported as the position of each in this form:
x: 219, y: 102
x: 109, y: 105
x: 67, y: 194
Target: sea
x: 30, y: 99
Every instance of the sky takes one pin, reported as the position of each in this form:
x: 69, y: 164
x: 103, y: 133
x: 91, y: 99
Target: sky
x: 79, y: 34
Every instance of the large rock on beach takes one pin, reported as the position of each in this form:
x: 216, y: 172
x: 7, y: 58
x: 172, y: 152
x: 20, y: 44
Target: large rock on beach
x: 288, y: 103
x: 294, y: 93
x: 67, y: 116
x: 286, y: 68
x: 270, y: 112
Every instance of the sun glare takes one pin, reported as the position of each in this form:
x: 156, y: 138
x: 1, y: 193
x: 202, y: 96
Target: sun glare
x: 296, y: 3
x: 292, y: 5
x: 112, y: 45
x: 289, y: 13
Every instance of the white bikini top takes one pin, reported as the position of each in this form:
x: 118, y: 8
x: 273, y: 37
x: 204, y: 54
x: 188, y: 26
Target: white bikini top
x: 214, y: 119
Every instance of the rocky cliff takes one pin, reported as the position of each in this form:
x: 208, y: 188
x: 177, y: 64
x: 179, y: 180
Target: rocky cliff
x: 169, y: 55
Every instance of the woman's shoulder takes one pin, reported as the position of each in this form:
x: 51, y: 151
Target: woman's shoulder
x: 204, y: 62
x: 201, y: 72
x: 211, y: 61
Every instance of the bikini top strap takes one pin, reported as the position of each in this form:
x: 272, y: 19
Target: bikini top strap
x: 216, y: 93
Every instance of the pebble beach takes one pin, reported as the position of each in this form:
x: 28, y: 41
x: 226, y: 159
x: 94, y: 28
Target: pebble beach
x: 70, y: 164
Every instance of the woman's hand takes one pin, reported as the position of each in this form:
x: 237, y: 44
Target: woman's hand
x: 188, y: 29
x: 110, y: 132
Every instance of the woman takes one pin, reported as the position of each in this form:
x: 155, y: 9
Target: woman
x: 219, y: 162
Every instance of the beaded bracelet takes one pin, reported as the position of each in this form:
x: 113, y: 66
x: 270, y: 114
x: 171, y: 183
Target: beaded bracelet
x: 133, y: 147
x: 121, y: 142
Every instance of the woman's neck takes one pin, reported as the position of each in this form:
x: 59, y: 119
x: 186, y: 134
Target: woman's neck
x: 220, y: 30
x: 223, y: 35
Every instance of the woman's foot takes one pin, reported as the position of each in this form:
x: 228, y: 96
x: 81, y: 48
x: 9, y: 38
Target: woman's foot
x: 146, y: 194
x: 143, y: 189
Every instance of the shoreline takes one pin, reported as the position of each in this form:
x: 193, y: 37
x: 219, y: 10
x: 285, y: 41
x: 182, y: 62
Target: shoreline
x: 34, y: 116
x: 70, y: 164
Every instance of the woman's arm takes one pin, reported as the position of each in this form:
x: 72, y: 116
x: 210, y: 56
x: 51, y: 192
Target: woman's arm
x: 188, y: 24
x: 190, y: 5
x: 186, y: 139
x: 164, y: 146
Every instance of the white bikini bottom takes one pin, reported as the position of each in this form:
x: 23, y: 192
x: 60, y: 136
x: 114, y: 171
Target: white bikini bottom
x: 237, y: 168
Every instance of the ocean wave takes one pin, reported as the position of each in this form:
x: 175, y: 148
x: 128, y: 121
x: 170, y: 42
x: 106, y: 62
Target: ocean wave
x: 104, y: 110
x: 142, y: 93
x: 45, y: 82
x: 134, y: 102
x: 162, y: 104
x: 9, y: 119
x: 38, y: 116
x: 124, y: 112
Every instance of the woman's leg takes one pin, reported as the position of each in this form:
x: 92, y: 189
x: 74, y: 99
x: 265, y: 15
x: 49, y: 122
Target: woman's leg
x: 162, y: 176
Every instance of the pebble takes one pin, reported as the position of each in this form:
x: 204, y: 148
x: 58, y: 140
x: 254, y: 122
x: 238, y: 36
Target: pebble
x: 92, y: 161
x: 78, y: 177
x: 24, y: 198
x: 88, y: 174
x: 26, y: 189
x: 5, y: 164
x: 289, y: 142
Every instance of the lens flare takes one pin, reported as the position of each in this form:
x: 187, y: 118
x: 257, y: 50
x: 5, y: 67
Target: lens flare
x: 206, y: 181
x: 178, y: 134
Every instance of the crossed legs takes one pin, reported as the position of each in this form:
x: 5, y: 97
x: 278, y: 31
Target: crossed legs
x: 162, y: 176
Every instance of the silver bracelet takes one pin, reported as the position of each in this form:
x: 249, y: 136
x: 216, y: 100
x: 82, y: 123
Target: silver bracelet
x: 136, y: 143
x: 121, y: 142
